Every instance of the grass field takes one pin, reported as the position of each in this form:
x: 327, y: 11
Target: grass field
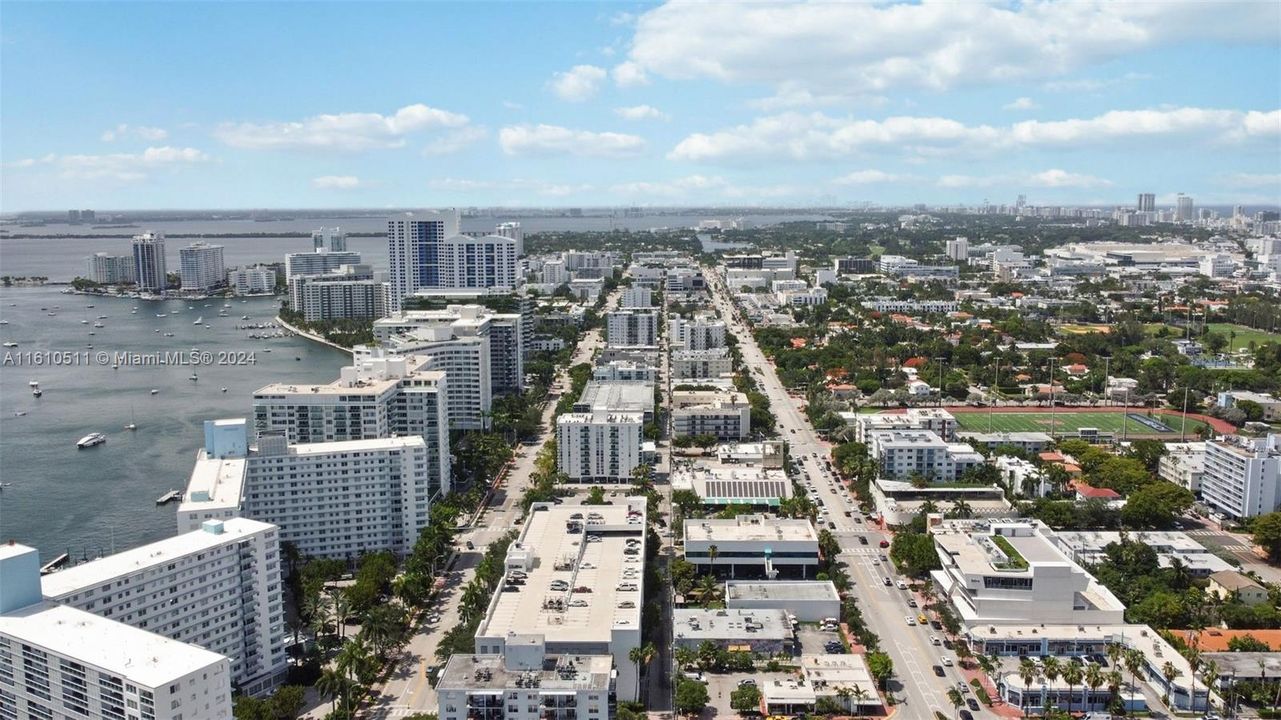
x: 1243, y: 338
x: 1067, y: 421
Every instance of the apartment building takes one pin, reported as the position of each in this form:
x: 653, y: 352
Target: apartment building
x: 563, y: 551
x: 504, y: 335
x: 329, y: 239
x: 902, y: 454
x: 752, y: 545
x: 1014, y: 572
x: 526, y: 683
x: 255, y: 280
x: 1242, y: 476
x: 599, y: 446
x: 320, y: 262
x: 201, y: 267
x: 218, y: 587
x: 377, y: 397
x: 630, y: 328
x: 60, y: 662
x: 701, y: 364
x: 626, y: 371
x: 106, y: 269
x: 703, y: 332
x: 150, y: 271
x: 937, y: 420
x: 604, y: 396
x: 426, y: 251
x: 637, y: 296
x: 330, y: 499
x: 348, y: 293
x: 1183, y: 464
x: 725, y: 414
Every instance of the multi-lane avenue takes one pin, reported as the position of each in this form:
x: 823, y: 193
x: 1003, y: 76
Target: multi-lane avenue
x: 885, y: 607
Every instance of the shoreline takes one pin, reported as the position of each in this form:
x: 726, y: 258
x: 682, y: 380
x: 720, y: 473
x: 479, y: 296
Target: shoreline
x: 311, y: 336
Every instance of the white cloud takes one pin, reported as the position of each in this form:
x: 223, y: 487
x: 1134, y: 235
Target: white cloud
x: 622, y: 18
x: 870, y: 177
x: 629, y: 74
x: 335, y: 182
x: 348, y: 132
x: 1253, y: 180
x: 791, y: 97
x: 827, y: 47
x: 454, y: 141
x: 141, y: 132
x: 1094, y: 85
x: 1053, y: 178
x: 578, y: 83
x: 819, y: 136
x: 123, y: 167
x: 513, y: 105
x: 640, y: 112
x: 1023, y: 103
x: 556, y: 140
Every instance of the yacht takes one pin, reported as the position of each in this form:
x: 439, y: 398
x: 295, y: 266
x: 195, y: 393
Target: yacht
x: 193, y: 377
x: 99, y: 325
x: 33, y: 383
x: 90, y: 440
x: 11, y: 344
x: 154, y: 391
x: 198, y: 321
x: 4, y: 322
x: 224, y: 389
x: 161, y: 315
x: 84, y: 322
x: 37, y: 392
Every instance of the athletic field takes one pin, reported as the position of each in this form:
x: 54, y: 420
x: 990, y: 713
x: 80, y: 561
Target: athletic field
x: 1068, y: 422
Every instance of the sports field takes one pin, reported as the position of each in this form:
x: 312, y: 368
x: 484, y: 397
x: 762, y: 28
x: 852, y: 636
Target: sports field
x: 1067, y: 421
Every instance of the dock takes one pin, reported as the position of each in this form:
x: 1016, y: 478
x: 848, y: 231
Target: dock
x: 169, y: 497
x: 54, y: 564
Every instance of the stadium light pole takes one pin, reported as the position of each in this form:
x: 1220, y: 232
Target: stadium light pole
x: 1125, y: 415
x: 1053, y: 415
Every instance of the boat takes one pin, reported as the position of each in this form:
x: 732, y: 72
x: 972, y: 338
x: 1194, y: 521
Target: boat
x: 198, y: 321
x: 19, y: 413
x: 102, y: 317
x: 154, y: 391
x: 33, y: 383
x: 11, y: 344
x: 131, y: 426
x: 54, y: 564
x: 37, y: 392
x: 224, y: 389
x: 89, y: 306
x: 4, y: 322
x: 168, y: 334
x: 90, y: 440
x: 193, y: 377
x: 84, y: 322
x: 161, y: 315
x: 115, y: 366
x: 133, y: 421
x: 169, y: 497
x: 244, y: 317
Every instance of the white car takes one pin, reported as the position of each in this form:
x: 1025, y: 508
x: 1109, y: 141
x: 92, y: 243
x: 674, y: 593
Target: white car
x: 947, y: 662
x: 909, y: 619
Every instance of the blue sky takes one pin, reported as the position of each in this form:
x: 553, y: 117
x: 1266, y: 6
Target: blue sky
x: 186, y: 105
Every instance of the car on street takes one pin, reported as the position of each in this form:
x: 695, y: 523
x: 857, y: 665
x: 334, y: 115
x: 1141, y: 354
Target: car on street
x: 862, y: 540
x: 972, y: 704
x: 909, y: 620
x: 746, y: 681
x: 888, y: 582
x: 885, y: 543
x: 938, y: 670
x: 966, y: 715
x: 947, y: 661
x: 902, y: 585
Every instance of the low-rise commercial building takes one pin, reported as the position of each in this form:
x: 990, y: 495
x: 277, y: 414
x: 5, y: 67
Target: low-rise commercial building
x: 733, y: 485
x: 60, y: 662
x: 1089, y: 547
x: 626, y: 371
x: 843, y: 679
x: 807, y: 601
x: 763, y: 631
x: 752, y: 545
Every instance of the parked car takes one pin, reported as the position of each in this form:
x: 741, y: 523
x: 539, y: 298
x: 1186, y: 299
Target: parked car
x: 938, y: 670
x: 885, y: 543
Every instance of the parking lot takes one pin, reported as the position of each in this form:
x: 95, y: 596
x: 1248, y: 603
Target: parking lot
x: 719, y: 687
x: 813, y: 640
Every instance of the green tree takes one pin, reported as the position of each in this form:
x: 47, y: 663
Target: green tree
x: 1265, y: 530
x: 691, y: 696
x: 1156, y: 505
x: 746, y: 699
x: 1148, y: 452
x: 881, y: 667
x: 595, y: 496
x: 956, y: 699
x: 1247, y: 643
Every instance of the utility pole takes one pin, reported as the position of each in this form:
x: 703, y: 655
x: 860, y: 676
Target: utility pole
x: 1106, y: 358
x: 1126, y: 416
x: 996, y: 383
x: 1183, y: 426
x: 941, y: 361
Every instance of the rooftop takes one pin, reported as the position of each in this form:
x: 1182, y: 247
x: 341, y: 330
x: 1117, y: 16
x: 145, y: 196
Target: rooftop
x: 214, y: 483
x: 780, y: 590
x: 558, y: 672
x: 733, y: 484
x: 615, y: 396
x: 143, y: 657
x: 71, y: 580
x: 557, y: 554
x: 696, y: 625
x: 749, y: 528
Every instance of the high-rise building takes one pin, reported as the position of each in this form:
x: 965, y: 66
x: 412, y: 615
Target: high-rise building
x: 505, y: 333
x: 637, y: 326
x: 599, y: 446
x: 329, y: 240
x: 329, y: 499
x: 1242, y: 476
x: 106, y: 269
x: 1184, y: 210
x: 88, y: 216
x: 463, y: 358
x: 703, y: 332
x: 637, y: 296
x: 467, y: 261
x: 150, y: 270
x: 512, y: 230
x: 959, y: 249
x: 201, y: 266
x: 348, y: 293
x: 252, y: 280
x: 414, y: 251
x: 60, y: 662
x: 319, y: 262
x: 377, y: 397
x: 73, y: 216
x: 227, y: 577
x: 554, y: 272
x: 1147, y: 202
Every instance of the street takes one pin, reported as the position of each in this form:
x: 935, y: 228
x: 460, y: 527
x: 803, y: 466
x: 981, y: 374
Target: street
x: 884, y: 607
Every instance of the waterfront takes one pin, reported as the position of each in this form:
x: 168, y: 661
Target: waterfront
x: 61, y: 259
x: 60, y: 499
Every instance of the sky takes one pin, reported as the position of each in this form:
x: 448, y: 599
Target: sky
x: 131, y: 105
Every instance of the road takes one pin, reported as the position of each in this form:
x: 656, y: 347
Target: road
x: 884, y: 608
x: 407, y: 690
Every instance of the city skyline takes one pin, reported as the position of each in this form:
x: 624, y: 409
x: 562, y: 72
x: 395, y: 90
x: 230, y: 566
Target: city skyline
x: 144, y: 106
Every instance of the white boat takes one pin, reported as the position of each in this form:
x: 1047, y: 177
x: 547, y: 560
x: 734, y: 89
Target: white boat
x: 37, y: 392
x: 90, y: 440
x: 102, y: 317
x: 11, y: 344
x: 224, y: 389
x: 33, y: 383
x: 193, y: 377
x: 84, y: 322
x: 19, y: 413
x: 4, y: 322
x: 161, y: 315
x: 244, y: 317
x: 168, y: 334
x: 131, y: 426
x: 154, y: 391
x: 99, y: 325
x: 198, y: 321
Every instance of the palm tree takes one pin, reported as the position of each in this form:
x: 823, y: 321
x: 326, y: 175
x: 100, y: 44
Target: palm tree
x: 954, y: 697
x: 859, y: 695
x: 331, y: 684
x: 685, y: 656
x: 1072, y: 675
x: 1169, y: 672
x: 1114, y: 652
x: 382, y: 627
x: 1027, y: 673
x: 1134, y: 662
x: 637, y: 656
x: 1114, y: 681
x: 342, y: 608
x: 1210, y: 675
x: 1093, y: 679
x: 1051, y: 669
x: 712, y: 552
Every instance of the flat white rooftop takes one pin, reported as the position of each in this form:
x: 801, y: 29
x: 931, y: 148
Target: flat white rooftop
x: 214, y: 483
x: 478, y: 673
x: 749, y: 528
x: 143, y: 657
x: 781, y: 591
x: 603, y: 566
x: 730, y: 625
x: 73, y: 579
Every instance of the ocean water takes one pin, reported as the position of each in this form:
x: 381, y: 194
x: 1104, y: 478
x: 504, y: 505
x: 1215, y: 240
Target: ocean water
x: 86, y: 502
